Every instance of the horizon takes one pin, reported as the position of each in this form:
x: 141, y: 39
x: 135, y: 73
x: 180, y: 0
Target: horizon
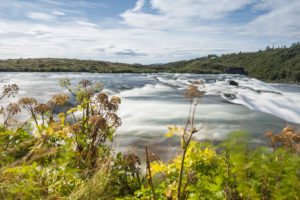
x: 156, y: 63
x: 144, y: 31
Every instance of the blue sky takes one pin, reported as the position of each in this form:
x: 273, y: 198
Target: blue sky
x: 144, y: 31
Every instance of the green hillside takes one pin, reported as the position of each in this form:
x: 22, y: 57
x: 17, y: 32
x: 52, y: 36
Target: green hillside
x: 280, y: 64
x: 272, y: 64
x: 69, y: 65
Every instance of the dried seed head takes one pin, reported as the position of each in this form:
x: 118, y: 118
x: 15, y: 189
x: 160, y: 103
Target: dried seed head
x: 10, y: 90
x: 114, y: 120
x: 112, y: 107
x: 13, y: 108
x: 132, y: 159
x: 115, y: 100
x: 27, y: 101
x: 41, y: 108
x: 97, y: 121
x: 269, y: 133
x: 290, y: 134
x: 90, y: 92
x: 153, y: 157
x: 102, y: 98
x: 85, y: 83
x: 192, y: 92
x: 59, y: 99
x: 287, y: 129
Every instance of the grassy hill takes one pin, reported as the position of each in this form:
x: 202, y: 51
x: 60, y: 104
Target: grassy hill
x: 280, y: 64
x: 69, y: 65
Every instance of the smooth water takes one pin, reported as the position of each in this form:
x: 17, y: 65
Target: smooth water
x: 151, y: 102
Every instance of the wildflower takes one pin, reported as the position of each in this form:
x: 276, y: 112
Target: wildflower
x: 61, y: 115
x: 192, y: 92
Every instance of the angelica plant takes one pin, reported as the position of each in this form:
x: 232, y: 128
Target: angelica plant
x: 189, y: 130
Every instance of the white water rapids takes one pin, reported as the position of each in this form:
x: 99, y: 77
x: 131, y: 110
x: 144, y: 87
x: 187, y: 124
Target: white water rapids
x: 151, y: 102
x: 250, y: 92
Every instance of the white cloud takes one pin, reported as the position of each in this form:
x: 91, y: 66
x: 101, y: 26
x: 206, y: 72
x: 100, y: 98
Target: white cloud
x: 58, y: 13
x: 139, y: 5
x: 168, y: 30
x: 40, y: 16
x: 282, y: 20
x: 86, y: 23
x: 180, y: 13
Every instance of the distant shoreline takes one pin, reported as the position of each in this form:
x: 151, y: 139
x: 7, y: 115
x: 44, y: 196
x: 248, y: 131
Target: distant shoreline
x: 279, y: 65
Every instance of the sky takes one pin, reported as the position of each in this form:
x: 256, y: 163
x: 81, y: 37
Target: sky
x: 144, y: 31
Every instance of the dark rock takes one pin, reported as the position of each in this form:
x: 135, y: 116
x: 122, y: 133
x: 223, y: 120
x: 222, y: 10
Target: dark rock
x: 234, y: 83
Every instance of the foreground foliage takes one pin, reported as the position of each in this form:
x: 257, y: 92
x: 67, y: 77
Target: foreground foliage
x: 69, y: 156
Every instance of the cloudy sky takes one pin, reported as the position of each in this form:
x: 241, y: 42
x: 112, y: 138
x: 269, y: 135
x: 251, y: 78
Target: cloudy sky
x: 144, y: 31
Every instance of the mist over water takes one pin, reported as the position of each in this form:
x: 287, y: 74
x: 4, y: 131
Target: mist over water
x: 151, y: 102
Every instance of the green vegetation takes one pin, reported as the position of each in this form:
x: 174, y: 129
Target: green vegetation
x: 69, y: 65
x: 279, y: 64
x: 272, y: 64
x: 70, y: 156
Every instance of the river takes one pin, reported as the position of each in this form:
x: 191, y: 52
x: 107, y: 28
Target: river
x: 151, y: 102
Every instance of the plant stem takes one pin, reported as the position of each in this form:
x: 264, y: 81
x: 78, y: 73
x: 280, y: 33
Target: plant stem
x: 190, y: 121
x: 182, y: 166
x: 149, y: 171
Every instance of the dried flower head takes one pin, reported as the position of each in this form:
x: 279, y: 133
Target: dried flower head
x: 115, y: 100
x: 287, y: 129
x: 85, y: 83
x: 112, y: 107
x: 97, y: 121
x: 59, y: 99
x: 102, y: 98
x: 153, y: 157
x: 132, y: 159
x: 13, y: 108
x: 114, y: 120
x: 41, y: 108
x: 9, y: 90
x: 268, y: 133
x: 192, y: 92
x: 27, y: 101
x: 287, y: 139
x: 90, y: 91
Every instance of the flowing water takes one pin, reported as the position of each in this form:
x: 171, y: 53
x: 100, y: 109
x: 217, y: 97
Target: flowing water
x: 151, y: 102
